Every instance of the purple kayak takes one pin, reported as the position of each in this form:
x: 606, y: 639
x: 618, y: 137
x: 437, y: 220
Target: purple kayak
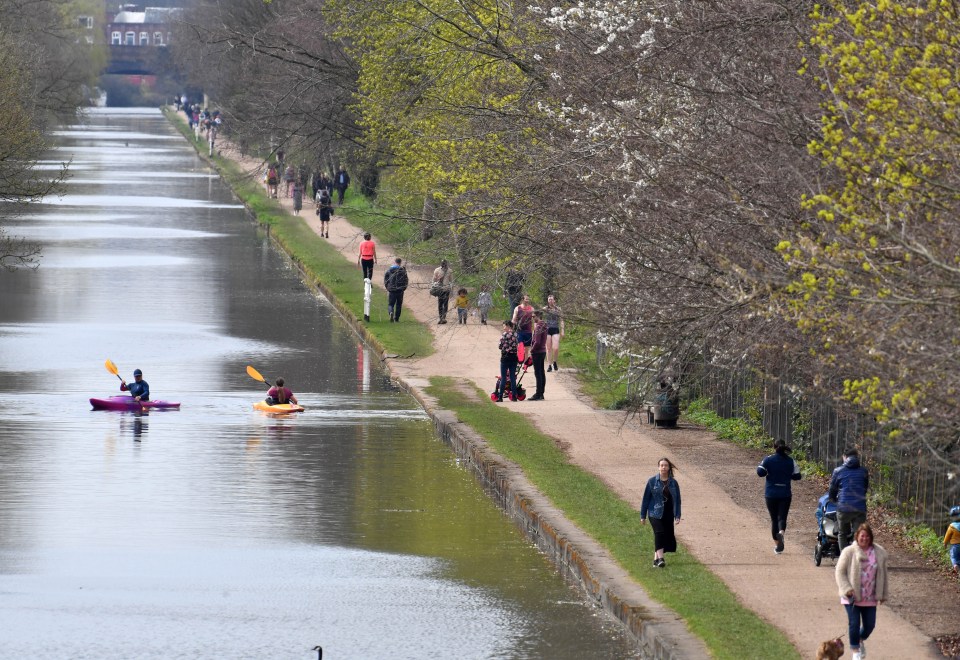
x: 127, y: 402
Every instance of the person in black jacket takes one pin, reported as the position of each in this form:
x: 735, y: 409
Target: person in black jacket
x: 848, y: 488
x: 395, y: 281
x: 780, y: 470
x: 341, y: 181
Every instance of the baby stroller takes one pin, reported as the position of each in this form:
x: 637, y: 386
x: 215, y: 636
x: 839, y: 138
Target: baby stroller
x: 521, y: 393
x: 828, y: 545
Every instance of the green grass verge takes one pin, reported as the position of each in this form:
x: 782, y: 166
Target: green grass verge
x: 321, y: 262
x: 687, y: 587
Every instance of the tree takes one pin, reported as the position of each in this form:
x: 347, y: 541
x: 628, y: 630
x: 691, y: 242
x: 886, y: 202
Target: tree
x: 876, y: 269
x: 46, y: 71
x: 21, y: 144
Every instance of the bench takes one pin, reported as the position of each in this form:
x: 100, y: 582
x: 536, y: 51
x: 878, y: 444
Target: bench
x: 661, y: 416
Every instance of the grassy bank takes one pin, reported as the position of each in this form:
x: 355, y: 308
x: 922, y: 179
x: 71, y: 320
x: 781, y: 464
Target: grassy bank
x: 322, y: 264
x: 729, y: 629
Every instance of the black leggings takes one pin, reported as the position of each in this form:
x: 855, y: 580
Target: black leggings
x: 778, y: 507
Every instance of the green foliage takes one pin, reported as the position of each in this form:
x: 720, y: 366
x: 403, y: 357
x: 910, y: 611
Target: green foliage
x: 424, y: 81
x: 603, y: 382
x: 729, y: 629
x: 753, y: 405
x: 928, y: 543
x: 741, y: 431
x: 881, y: 244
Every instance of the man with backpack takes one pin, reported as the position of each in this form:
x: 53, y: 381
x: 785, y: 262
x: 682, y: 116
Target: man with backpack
x: 395, y: 281
x: 848, y: 488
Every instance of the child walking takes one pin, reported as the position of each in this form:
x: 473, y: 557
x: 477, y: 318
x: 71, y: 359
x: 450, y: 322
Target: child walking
x: 461, y: 303
x: 484, y: 303
x: 952, y: 539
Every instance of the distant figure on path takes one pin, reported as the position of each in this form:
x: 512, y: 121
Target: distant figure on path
x: 462, y: 303
x: 508, y: 363
x: 484, y: 303
x: 553, y: 316
x: 780, y: 470
x: 367, y: 256
x: 273, y: 180
x: 538, y: 351
x: 395, y: 281
x: 297, y: 197
x: 523, y: 321
x: 325, y: 211
x: 289, y: 176
x: 341, y: 182
x: 661, y: 501
x: 952, y: 539
x: 442, y: 281
x: 848, y: 488
x: 514, y: 286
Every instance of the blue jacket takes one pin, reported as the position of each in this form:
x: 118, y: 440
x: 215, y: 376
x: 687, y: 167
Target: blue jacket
x: 848, y: 486
x: 140, y: 389
x: 780, y: 470
x: 653, y: 498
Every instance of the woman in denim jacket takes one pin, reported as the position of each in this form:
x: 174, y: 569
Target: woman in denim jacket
x: 661, y: 499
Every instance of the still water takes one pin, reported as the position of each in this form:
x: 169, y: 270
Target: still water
x: 215, y: 530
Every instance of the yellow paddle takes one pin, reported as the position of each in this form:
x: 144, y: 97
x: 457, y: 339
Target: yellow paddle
x: 112, y: 368
x: 254, y: 374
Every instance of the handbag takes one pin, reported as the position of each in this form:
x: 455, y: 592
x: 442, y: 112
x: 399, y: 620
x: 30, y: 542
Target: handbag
x: 436, y: 289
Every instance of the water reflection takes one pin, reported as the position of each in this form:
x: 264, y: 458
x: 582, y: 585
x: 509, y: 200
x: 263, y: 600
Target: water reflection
x: 216, y: 530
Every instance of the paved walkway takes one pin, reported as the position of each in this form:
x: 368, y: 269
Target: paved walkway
x: 726, y: 532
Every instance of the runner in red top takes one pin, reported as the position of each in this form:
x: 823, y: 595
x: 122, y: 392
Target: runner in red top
x: 367, y: 256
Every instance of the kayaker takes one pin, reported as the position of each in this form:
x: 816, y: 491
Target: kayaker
x: 280, y: 394
x: 139, y: 390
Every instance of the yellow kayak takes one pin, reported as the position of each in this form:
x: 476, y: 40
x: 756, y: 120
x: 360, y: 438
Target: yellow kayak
x: 278, y: 407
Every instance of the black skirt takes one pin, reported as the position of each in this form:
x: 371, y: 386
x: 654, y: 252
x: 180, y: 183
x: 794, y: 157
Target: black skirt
x: 663, y: 537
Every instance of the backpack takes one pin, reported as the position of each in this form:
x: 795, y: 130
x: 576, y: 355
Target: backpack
x: 400, y: 280
x: 396, y: 279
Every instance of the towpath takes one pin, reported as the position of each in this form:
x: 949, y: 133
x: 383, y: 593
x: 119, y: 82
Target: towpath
x: 725, y: 524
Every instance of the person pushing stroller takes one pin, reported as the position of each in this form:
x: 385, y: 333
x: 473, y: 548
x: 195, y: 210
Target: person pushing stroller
x: 952, y: 539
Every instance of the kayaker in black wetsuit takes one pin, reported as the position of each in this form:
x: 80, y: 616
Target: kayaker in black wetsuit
x: 280, y: 394
x: 140, y: 390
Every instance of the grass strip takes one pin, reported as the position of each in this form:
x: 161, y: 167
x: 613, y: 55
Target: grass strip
x: 322, y: 263
x: 687, y: 587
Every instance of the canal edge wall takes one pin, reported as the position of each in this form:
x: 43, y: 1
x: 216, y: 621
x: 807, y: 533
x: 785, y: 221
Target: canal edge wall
x: 660, y: 633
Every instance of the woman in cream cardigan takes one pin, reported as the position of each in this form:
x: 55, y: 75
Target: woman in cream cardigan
x: 862, y: 581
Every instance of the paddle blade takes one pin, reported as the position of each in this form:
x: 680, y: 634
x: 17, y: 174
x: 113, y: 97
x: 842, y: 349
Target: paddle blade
x: 254, y: 374
x: 111, y: 367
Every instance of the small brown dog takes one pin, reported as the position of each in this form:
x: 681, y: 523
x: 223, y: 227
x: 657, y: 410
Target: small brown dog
x: 831, y: 649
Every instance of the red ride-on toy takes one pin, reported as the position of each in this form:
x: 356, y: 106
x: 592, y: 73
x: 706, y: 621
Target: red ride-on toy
x: 508, y: 391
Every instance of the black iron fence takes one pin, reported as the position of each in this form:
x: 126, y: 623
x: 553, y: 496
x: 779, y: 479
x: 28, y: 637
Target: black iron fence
x: 820, y: 430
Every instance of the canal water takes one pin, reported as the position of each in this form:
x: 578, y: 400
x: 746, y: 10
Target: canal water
x: 215, y: 530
